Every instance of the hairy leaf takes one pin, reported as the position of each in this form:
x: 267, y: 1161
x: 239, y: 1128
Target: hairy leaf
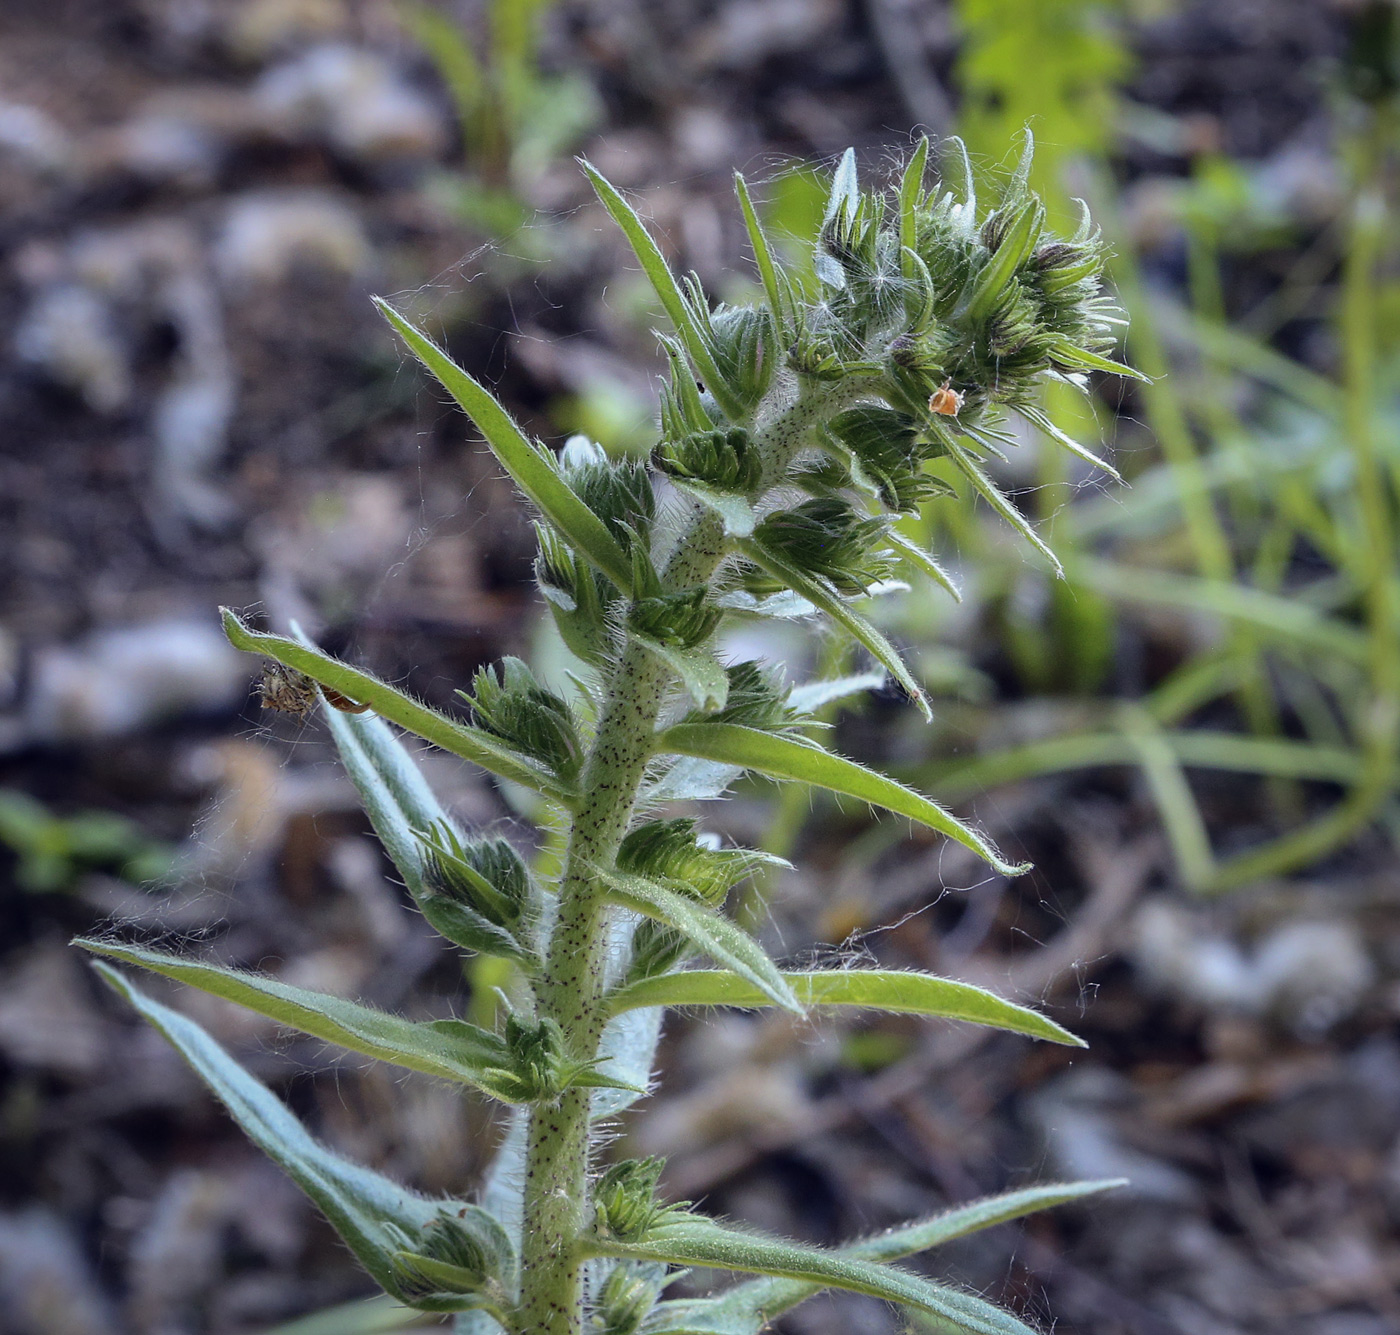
x: 813, y: 695
x: 711, y: 932
x: 819, y: 592
x: 785, y: 757
x: 532, y: 468
x: 748, y: 1308
x: 691, y: 1240
x: 664, y: 283
x: 867, y: 989
x: 461, y: 739
x: 457, y: 1051
x: 698, y: 669
x: 374, y: 1215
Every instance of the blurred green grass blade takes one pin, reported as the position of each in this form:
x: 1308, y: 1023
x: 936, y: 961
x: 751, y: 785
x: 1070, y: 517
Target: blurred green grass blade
x: 389, y: 702
x: 1176, y: 803
x: 1272, y: 757
x: 792, y: 758
x: 380, y: 1315
x: 533, y: 469
x: 1288, y: 618
x: 865, y: 989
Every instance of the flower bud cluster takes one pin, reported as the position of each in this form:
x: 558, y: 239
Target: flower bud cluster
x: 625, y: 1198
x: 724, y: 460
x: 510, y: 704
x: 479, y: 893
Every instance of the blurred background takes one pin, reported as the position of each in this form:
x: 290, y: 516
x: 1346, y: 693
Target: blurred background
x: 1193, y: 736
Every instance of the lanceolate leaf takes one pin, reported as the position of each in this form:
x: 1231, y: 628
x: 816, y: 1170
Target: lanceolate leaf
x: 991, y: 493
x: 868, y: 989
x: 917, y: 557
x: 911, y: 190
x: 395, y: 795
x: 710, y: 931
x: 1033, y: 415
x: 461, y: 739
x: 845, y: 188
x: 370, y: 1212
x: 793, y: 758
x: 748, y: 1308
x: 763, y: 257
x: 696, y: 1241
x: 1016, y: 245
x: 820, y: 593
x: 1069, y: 354
x: 697, y: 668
x: 813, y: 695
x: 461, y: 1052
x: 667, y: 289
x: 533, y: 469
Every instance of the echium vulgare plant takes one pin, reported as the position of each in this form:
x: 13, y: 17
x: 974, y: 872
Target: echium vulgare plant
x: 793, y: 433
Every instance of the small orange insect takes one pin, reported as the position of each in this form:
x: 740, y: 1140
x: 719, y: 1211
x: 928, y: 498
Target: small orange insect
x: 946, y: 401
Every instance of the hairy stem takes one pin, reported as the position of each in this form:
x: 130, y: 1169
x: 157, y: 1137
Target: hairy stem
x: 572, y: 987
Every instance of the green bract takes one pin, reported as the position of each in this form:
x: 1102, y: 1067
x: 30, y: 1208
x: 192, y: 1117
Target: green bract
x: 793, y: 433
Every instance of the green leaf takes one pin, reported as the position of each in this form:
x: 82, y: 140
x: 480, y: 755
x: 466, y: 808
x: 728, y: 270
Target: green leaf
x: 1015, y: 246
x: 1070, y: 354
x: 866, y: 989
x: 697, y: 668
x: 818, y: 591
x: 690, y: 1240
x: 533, y: 469
x: 748, y: 1308
x: 710, y: 931
x: 763, y: 257
x: 793, y: 758
x: 668, y: 290
x: 845, y: 187
x: 911, y: 191
x: 461, y: 739
x: 627, y: 1052
x: 814, y: 695
x: 373, y: 1214
x: 956, y: 171
x: 992, y: 494
x: 921, y: 560
x: 392, y: 790
x: 452, y: 1050
x: 1036, y: 418
x: 735, y: 510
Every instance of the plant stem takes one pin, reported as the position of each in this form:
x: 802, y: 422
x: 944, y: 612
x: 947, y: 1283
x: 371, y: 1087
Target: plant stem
x: 574, y: 981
